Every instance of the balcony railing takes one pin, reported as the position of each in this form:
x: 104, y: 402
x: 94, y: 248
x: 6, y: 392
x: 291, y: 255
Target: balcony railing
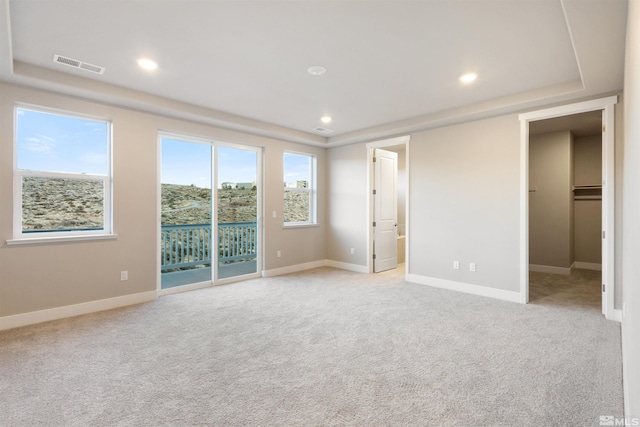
x: 190, y: 245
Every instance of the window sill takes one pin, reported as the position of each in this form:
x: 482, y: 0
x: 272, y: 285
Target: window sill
x: 60, y: 239
x: 300, y: 225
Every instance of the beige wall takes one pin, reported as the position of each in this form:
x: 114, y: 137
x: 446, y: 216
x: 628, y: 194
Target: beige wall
x: 347, y: 186
x: 551, y: 204
x: 588, y: 160
x: 631, y: 213
x: 464, y: 202
x: 43, y: 276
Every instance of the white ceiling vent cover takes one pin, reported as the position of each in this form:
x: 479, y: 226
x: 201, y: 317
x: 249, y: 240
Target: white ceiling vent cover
x: 323, y: 130
x: 59, y: 59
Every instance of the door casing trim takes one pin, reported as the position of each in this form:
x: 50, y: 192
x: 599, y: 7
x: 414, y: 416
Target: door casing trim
x: 389, y: 142
x: 607, y: 106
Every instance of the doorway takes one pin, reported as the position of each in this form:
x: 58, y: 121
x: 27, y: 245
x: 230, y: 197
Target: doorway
x: 565, y: 210
x: 185, y: 213
x: 606, y: 106
x: 388, y: 219
x: 210, y: 199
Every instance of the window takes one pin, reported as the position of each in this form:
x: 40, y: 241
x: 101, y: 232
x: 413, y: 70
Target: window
x: 62, y: 178
x: 299, y: 189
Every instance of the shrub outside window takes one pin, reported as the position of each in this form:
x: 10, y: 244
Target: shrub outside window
x: 62, y: 177
x: 299, y: 189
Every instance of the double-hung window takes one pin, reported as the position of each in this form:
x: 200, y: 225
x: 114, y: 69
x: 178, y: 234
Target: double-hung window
x: 299, y: 189
x: 62, y: 174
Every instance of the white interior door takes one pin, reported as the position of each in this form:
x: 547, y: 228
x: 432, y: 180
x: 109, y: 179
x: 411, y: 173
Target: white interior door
x: 385, y: 210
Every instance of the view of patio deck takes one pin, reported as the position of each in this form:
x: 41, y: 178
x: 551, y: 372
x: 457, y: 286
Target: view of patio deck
x: 186, y: 252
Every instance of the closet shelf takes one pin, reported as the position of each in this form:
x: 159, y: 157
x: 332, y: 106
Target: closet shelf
x: 587, y: 192
x: 587, y: 187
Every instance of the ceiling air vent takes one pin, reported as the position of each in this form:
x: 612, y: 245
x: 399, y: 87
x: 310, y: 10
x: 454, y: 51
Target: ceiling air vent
x: 323, y: 130
x: 59, y: 59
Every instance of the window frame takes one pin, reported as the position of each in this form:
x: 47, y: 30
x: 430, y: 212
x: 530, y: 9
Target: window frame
x: 19, y: 236
x: 311, y: 189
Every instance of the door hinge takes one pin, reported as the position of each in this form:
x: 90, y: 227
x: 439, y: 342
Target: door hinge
x: 603, y: 288
x: 604, y: 128
x: 374, y: 192
x: 604, y: 234
x: 374, y: 256
x: 374, y: 223
x: 374, y: 160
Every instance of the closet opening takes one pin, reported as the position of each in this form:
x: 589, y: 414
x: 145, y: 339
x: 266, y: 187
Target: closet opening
x: 585, y: 192
x: 565, y: 210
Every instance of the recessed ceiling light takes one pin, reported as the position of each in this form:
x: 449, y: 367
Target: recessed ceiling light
x: 325, y: 119
x: 147, y: 64
x: 316, y: 70
x: 468, y: 78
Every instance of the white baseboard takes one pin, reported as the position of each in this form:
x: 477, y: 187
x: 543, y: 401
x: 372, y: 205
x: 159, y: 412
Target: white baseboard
x: 566, y: 271
x: 617, y: 315
x: 466, y: 288
x: 293, y: 268
x: 315, y: 264
x: 346, y: 266
x: 587, y: 265
x: 17, y: 320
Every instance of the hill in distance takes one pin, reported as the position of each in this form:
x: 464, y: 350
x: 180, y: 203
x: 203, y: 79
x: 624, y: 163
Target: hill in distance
x: 57, y: 204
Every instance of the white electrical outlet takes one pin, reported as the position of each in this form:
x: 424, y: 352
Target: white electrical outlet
x: 278, y: 254
x: 353, y: 251
x: 472, y: 266
x: 456, y: 265
x: 124, y: 275
x: 274, y: 214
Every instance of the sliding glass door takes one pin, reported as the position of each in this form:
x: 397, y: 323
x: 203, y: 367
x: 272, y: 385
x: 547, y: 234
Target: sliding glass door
x: 192, y: 251
x: 185, y: 232
x: 237, y: 211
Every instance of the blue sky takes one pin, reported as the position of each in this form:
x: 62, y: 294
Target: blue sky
x: 59, y: 143
x: 296, y: 168
x: 189, y: 163
x: 186, y: 163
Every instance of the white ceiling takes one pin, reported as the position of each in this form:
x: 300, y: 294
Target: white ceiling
x: 393, y: 66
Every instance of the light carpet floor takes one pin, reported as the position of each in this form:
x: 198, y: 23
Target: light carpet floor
x: 319, y: 348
